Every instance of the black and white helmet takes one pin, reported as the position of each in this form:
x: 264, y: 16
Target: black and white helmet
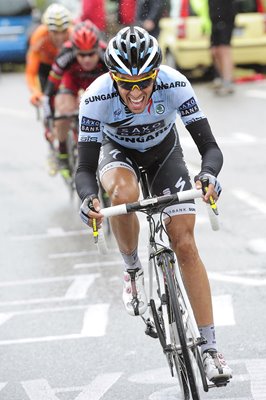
x: 133, y: 51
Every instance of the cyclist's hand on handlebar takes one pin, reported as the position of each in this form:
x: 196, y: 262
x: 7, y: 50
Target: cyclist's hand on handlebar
x: 210, y: 186
x: 90, y: 210
x: 36, y: 98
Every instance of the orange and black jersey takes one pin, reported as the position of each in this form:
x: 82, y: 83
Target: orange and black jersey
x: 41, y: 51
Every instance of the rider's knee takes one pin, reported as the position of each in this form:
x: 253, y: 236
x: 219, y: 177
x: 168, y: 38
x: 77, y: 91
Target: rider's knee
x: 122, y: 193
x: 65, y: 103
x: 184, y: 246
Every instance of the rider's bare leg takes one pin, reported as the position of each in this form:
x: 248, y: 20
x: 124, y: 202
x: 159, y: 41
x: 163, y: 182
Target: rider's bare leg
x: 65, y: 103
x: 181, y: 231
x: 122, y: 186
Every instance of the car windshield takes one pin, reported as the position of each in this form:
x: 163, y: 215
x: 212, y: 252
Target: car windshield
x: 14, y: 7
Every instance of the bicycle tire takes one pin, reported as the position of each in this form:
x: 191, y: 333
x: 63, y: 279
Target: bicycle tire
x: 72, y: 151
x: 189, y: 322
x: 72, y: 160
x: 176, y: 314
x: 159, y: 323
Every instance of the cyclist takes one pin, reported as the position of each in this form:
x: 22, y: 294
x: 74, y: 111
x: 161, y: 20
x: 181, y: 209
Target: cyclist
x: 78, y: 64
x: 45, y: 43
x: 127, y: 119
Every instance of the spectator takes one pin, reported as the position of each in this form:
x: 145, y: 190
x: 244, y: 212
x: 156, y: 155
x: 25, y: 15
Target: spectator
x: 94, y: 10
x: 149, y: 13
x: 222, y: 15
x: 126, y: 11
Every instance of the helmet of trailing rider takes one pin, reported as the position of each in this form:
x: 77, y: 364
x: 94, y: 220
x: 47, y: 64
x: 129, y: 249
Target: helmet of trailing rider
x: 85, y: 36
x: 56, y: 17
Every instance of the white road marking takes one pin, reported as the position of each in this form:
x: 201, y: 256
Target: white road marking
x: 236, y: 279
x: 223, y: 310
x: 99, y: 386
x: 154, y: 376
x: 99, y: 264
x: 244, y: 137
x: 15, y: 113
x: 41, y: 339
x: 41, y: 390
x: 4, y: 317
x: 43, y: 280
x: 2, y: 385
x: 162, y: 376
x: 94, y: 325
x: 71, y: 295
x: 257, y: 245
x: 257, y: 372
x: 254, y: 201
x: 95, y: 320
x: 172, y: 392
x: 79, y: 287
x: 258, y: 94
x: 52, y: 233
x: 82, y: 253
x: 48, y: 310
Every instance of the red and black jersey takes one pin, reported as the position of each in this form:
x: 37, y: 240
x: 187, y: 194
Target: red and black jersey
x: 68, y: 73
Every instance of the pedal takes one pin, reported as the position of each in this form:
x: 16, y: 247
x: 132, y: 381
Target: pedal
x: 200, y: 341
x: 150, y: 328
x: 220, y: 382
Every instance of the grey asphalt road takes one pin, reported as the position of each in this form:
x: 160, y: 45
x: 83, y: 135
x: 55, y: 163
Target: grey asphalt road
x: 64, y: 334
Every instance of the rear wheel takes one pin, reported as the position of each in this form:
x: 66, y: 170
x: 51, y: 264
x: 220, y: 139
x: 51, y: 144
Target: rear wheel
x: 72, y: 160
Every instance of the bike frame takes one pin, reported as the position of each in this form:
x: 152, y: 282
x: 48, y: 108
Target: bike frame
x: 177, y: 331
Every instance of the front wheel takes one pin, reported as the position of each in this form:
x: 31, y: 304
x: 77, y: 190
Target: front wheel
x: 183, y: 346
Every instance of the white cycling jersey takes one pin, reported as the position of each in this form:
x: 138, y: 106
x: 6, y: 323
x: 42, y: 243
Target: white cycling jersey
x: 103, y: 113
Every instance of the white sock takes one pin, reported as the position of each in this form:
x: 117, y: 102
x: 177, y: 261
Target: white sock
x: 208, y: 333
x: 131, y: 261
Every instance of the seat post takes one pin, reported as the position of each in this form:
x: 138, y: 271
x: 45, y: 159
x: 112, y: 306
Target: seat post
x: 144, y: 183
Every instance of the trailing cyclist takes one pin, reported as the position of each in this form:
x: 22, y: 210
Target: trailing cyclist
x: 78, y: 64
x: 127, y: 120
x: 45, y: 43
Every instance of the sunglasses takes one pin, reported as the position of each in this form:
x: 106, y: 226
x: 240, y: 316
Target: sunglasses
x: 129, y: 84
x: 90, y: 54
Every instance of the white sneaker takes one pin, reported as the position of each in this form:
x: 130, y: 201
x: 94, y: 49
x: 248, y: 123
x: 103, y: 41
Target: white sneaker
x: 215, y: 366
x: 225, y: 89
x: 134, y: 295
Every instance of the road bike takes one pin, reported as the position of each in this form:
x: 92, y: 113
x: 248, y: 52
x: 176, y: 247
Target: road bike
x: 72, y: 151
x: 170, y: 315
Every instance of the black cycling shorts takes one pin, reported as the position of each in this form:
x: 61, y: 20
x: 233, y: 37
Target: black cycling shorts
x: 164, y: 164
x: 222, y: 15
x: 43, y: 74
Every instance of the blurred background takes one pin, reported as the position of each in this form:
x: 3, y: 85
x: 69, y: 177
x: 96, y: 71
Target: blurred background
x: 183, y: 31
